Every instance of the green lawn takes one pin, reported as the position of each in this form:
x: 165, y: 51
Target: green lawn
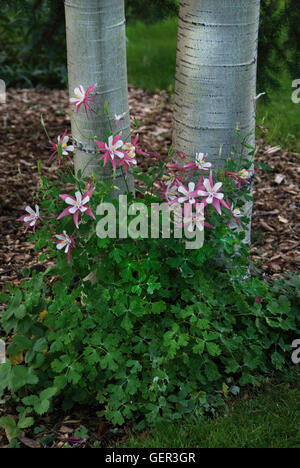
x: 151, y: 54
x: 270, y: 419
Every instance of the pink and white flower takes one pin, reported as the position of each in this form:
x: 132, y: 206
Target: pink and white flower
x: 256, y: 98
x: 65, y: 242
x: 189, y: 194
x: 31, y: 218
x: 244, y: 174
x: 172, y: 175
x: 137, y: 149
x: 77, y: 206
x: 82, y: 98
x: 211, y: 194
x: 128, y: 158
x: 170, y: 193
x: 118, y: 119
x: 61, y: 148
x: 236, y: 212
x: 111, y: 151
x: 241, y: 176
x: 200, y: 163
x: 194, y: 220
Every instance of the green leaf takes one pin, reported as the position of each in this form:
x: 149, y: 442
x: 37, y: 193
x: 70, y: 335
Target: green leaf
x: 20, y: 312
x: 30, y: 400
x: 41, y: 407
x: 40, y: 345
x: 20, y: 377
x: 199, y: 347
x: 10, y: 427
x: 213, y: 349
x: 158, y: 307
x: 25, y: 423
x: 126, y: 323
x: 4, y: 376
x: 48, y: 393
x: 278, y: 360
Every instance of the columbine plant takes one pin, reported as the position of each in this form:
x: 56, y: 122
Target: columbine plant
x: 147, y: 330
x: 185, y: 182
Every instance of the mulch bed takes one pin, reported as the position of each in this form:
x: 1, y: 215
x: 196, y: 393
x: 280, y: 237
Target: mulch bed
x: 276, y: 218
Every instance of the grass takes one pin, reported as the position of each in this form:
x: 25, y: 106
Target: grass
x: 270, y: 419
x: 151, y: 51
x: 282, y: 116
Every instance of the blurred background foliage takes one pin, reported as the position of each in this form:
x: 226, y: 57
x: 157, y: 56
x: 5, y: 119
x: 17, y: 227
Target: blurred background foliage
x: 33, y: 50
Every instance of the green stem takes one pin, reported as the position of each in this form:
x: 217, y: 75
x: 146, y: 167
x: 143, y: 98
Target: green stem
x: 125, y: 180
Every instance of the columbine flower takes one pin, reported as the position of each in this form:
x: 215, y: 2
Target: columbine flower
x: 199, y: 163
x: 77, y: 205
x: 118, y: 119
x: 189, y: 193
x: 111, y: 150
x: 256, y: 98
x: 236, y: 212
x: 89, y: 185
x: 212, y: 194
x: 171, y: 176
x: 128, y: 157
x: 170, y: 192
x: 31, y: 218
x: 81, y: 98
x: 61, y: 148
x: 65, y: 242
x: 244, y: 174
x: 138, y: 150
x: 194, y: 220
x: 241, y: 176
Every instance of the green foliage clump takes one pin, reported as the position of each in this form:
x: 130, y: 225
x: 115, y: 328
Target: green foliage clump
x: 161, y: 335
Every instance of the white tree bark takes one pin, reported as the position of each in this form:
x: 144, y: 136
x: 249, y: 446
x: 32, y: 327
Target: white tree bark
x: 96, y: 46
x: 216, y: 78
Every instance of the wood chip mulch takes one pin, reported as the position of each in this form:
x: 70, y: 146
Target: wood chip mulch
x: 276, y: 220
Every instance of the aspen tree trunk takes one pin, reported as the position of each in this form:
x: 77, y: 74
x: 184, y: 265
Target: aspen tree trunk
x: 96, y: 46
x: 216, y: 78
